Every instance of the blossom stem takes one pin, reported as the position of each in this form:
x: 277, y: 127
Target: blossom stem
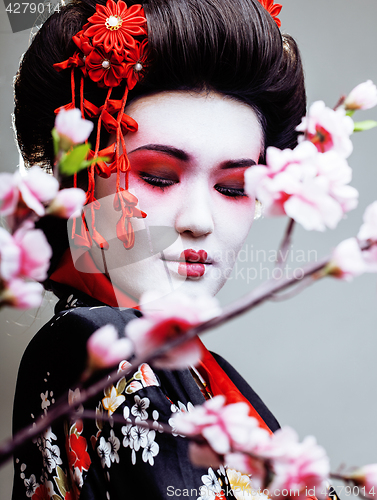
x: 285, y: 244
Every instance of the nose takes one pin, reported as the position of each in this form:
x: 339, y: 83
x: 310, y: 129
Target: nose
x: 194, y: 215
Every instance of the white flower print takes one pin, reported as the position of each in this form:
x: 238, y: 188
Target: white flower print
x: 48, y: 463
x: 50, y: 488
x: 180, y: 408
x: 139, y: 408
x: 139, y: 435
x: 77, y: 476
x: 53, y: 454
x: 128, y: 440
x: 211, y: 486
x: 104, y: 450
x: 126, y: 412
x: 114, y: 447
x: 31, y: 485
x: 151, y: 448
x: 185, y: 408
x: 45, y: 402
x: 158, y: 427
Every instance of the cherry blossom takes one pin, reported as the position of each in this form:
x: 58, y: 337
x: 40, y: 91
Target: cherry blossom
x: 10, y: 255
x: 347, y: 260
x: 165, y: 319
x: 363, y: 96
x: 67, y: 203
x: 106, y: 349
x: 104, y: 450
x: 297, y: 466
x: 35, y: 252
x: 327, y: 129
x: 25, y: 254
x: 368, y: 230
x: 21, y: 294
x: 224, y: 427
x: 366, y: 477
x: 310, y: 187
x: 72, y: 128
x: 19, y: 195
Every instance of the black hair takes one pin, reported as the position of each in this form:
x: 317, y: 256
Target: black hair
x: 233, y: 47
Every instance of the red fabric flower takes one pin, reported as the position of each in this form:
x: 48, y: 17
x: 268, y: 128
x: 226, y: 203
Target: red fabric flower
x: 136, y: 62
x: 41, y: 493
x: 107, y: 69
x: 114, y: 25
x: 78, y: 456
x: 274, y: 10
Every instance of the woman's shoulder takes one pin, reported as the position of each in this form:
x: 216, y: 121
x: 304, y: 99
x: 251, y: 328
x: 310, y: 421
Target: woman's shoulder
x: 73, y: 325
x: 248, y: 392
x: 58, y: 350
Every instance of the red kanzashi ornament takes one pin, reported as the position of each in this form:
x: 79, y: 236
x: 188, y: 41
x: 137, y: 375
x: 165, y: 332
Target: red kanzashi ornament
x: 273, y: 9
x: 108, y: 53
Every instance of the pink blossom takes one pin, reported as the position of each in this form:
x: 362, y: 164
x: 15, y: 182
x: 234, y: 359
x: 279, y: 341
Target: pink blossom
x: 19, y: 194
x: 67, y: 203
x: 347, y: 260
x: 72, y: 128
x: 368, y: 230
x: 335, y: 170
x: 35, y: 252
x: 274, y: 183
x: 25, y: 254
x: 250, y: 465
x: 363, y: 96
x: 327, y: 129
x: 21, y: 294
x: 366, y: 477
x: 168, y: 318
x: 297, y: 466
x: 10, y: 256
x: 370, y: 259
x: 106, y: 349
x: 224, y: 427
x: 310, y: 187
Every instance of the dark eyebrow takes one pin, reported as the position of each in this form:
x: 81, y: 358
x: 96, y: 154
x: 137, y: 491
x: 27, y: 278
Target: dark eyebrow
x: 168, y: 150
x: 247, y: 162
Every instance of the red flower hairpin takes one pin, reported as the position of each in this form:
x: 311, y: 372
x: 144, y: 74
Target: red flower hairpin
x: 273, y: 9
x: 108, y: 53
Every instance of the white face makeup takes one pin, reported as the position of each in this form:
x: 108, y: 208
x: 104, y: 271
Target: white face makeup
x: 187, y: 160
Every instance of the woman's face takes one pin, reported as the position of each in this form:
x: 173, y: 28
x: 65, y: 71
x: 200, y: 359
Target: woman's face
x: 188, y: 160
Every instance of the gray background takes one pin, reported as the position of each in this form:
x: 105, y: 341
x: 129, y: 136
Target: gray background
x: 312, y: 359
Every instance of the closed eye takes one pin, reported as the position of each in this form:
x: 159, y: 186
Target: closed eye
x: 155, y: 181
x: 230, y: 191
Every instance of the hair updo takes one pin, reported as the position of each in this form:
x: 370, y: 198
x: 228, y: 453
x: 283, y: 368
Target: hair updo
x: 233, y: 47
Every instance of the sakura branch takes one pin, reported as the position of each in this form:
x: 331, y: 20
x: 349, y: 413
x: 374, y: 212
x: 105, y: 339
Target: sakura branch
x: 309, y: 184
x: 24, y: 251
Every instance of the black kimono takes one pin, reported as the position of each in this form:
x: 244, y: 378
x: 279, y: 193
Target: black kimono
x: 98, y: 460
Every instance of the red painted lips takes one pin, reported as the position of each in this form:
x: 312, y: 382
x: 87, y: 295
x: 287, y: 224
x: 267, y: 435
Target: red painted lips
x: 193, y: 265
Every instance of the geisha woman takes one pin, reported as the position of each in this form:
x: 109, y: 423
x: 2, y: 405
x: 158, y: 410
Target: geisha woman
x: 185, y: 95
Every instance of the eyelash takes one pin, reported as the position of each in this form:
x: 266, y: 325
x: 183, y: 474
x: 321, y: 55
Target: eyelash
x: 161, y: 183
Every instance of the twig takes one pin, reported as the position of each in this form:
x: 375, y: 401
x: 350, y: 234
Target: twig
x: 284, y: 245
x: 305, y: 283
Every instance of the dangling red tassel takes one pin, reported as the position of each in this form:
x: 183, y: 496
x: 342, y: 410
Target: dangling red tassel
x: 126, y: 202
